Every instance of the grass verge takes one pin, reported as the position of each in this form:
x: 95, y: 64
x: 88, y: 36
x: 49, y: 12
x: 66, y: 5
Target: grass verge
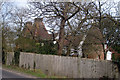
x: 37, y: 73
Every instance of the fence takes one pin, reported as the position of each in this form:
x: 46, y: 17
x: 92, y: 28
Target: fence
x: 71, y: 67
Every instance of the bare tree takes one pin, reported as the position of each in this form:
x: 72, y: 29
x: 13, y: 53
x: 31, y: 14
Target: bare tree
x: 104, y: 13
x: 60, y: 13
x: 18, y: 17
x: 5, y: 13
x: 72, y: 18
x: 68, y: 18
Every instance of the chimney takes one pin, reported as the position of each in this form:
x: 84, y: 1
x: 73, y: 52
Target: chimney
x: 38, y: 19
x: 38, y: 23
x: 28, y: 24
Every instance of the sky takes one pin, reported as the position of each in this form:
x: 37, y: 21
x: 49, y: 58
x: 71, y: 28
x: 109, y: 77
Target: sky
x: 116, y: 0
x: 51, y: 0
x: 22, y: 3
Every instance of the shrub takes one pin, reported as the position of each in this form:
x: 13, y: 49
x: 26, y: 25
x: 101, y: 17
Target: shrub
x: 16, y: 57
x: 29, y: 45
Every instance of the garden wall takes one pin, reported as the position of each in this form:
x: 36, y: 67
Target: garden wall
x: 71, y: 67
x: 10, y: 58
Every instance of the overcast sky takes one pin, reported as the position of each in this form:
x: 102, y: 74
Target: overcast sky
x: 44, y: 0
x: 116, y: 0
x: 22, y: 3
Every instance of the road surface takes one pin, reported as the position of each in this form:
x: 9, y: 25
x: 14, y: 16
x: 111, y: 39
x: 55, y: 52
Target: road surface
x: 10, y: 75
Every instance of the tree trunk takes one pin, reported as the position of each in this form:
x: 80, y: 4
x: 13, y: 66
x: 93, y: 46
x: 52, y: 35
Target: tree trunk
x: 69, y: 49
x: 61, y: 37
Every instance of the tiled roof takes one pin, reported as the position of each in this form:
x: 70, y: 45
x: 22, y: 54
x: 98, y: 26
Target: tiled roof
x: 38, y: 30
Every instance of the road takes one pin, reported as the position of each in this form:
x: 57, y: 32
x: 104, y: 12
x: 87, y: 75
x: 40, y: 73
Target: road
x: 10, y: 75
